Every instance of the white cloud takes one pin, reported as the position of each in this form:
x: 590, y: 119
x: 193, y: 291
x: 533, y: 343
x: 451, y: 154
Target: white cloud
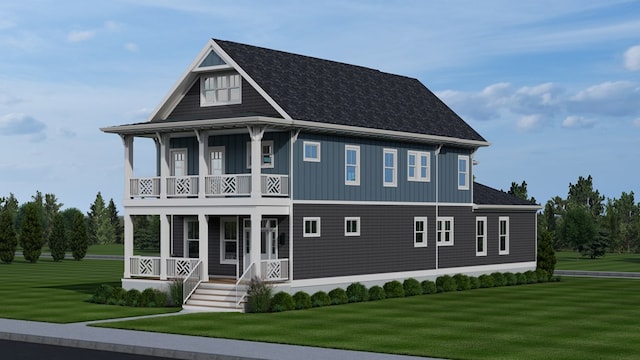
x: 577, y: 122
x: 132, y: 47
x: 611, y: 98
x: 80, y: 35
x: 632, y: 58
x: 113, y: 25
x: 529, y: 122
x: 20, y: 124
x: 8, y: 99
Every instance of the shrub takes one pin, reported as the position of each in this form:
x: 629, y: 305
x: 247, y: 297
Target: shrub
x: 428, y: 287
x: 498, y: 279
x: 486, y: 281
x: 521, y: 278
x: 57, y: 238
x: 357, y: 292
x: 338, y: 296
x: 474, y: 283
x: 393, y: 289
x: 102, y: 294
x: 132, y: 298
x: 78, y: 236
x: 282, y: 301
x: 462, y: 282
x: 301, y: 300
x: 147, y: 298
x: 118, y: 297
x: 510, y: 279
x: 411, y: 287
x: 320, y: 298
x: 531, y: 277
x: 259, y: 294
x: 32, y: 232
x: 159, y: 298
x: 445, y: 283
x: 8, y: 237
x: 175, y: 292
x: 542, y: 275
x: 377, y: 293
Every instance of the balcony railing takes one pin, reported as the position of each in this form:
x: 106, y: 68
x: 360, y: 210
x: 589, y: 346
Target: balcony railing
x: 182, y: 186
x: 228, y: 185
x: 145, y: 187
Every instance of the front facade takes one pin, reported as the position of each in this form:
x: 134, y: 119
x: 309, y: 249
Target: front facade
x: 358, y: 175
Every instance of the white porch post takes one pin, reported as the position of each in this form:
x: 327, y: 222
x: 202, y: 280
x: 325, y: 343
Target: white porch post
x: 165, y: 238
x: 165, y: 171
x: 128, y: 244
x: 256, y: 233
x: 203, y: 223
x: 256, y: 133
x: 203, y: 140
x: 127, y: 141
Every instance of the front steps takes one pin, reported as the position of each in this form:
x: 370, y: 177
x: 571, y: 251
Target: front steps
x: 215, y: 296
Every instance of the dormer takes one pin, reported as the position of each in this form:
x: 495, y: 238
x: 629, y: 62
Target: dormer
x: 220, y: 84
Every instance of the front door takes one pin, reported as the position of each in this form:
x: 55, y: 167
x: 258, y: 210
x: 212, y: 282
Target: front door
x: 268, y: 240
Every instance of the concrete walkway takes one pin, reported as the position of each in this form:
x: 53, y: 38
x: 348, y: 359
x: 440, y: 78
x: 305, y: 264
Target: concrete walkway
x: 605, y: 274
x: 169, y: 346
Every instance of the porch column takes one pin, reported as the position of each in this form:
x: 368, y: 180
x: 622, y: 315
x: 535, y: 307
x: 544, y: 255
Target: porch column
x: 165, y: 171
x: 203, y: 140
x: 165, y: 246
x: 256, y: 233
x: 256, y: 133
x: 127, y: 141
x: 203, y: 223
x: 128, y: 245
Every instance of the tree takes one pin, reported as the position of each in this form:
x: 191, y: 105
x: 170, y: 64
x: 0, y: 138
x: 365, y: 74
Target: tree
x: 520, y: 191
x: 31, y: 232
x: 51, y: 207
x: 582, y: 194
x: 546, y: 255
x: 116, y: 222
x: 57, y: 238
x: 12, y: 205
x: 8, y: 237
x: 101, y: 229
x: 78, y: 237
x: 578, y: 229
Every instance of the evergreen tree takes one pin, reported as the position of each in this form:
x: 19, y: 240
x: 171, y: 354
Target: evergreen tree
x: 578, y: 229
x: 57, y: 238
x: 520, y: 191
x: 31, y: 232
x: 101, y: 229
x: 546, y: 254
x: 8, y: 237
x: 116, y: 222
x: 12, y: 205
x: 51, y: 207
x: 78, y: 236
x: 582, y: 194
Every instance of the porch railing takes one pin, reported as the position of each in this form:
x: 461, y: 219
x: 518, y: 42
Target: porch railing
x: 145, y: 187
x: 191, y: 281
x: 276, y: 185
x: 244, y: 280
x: 180, y: 267
x: 182, y: 186
x: 149, y: 266
x: 228, y: 185
x: 274, y: 270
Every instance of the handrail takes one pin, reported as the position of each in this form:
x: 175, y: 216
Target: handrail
x: 238, y: 301
x: 191, y: 282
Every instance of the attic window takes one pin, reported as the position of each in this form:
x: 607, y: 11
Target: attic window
x: 212, y: 60
x: 220, y: 90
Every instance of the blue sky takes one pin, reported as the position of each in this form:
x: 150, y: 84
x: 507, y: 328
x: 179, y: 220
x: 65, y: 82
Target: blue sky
x: 553, y: 85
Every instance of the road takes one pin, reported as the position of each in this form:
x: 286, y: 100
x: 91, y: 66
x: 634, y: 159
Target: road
x: 17, y: 350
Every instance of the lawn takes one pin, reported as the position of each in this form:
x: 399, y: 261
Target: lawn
x: 56, y: 292
x: 568, y: 260
x: 577, y: 318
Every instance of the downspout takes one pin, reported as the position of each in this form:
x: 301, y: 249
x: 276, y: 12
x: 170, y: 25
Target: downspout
x: 292, y: 141
x: 437, y: 152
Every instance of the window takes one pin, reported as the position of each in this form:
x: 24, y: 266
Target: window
x: 193, y: 239
x: 178, y: 162
x: 229, y: 243
x: 266, y: 154
x: 352, y: 165
x: 390, y: 172
x: 463, y: 172
x: 216, y: 158
x: 418, y: 166
x: 311, y: 151
x: 220, y: 89
x: 481, y: 236
x: 444, y: 231
x: 311, y: 227
x: 503, y: 235
x: 419, y: 231
x: 352, y: 226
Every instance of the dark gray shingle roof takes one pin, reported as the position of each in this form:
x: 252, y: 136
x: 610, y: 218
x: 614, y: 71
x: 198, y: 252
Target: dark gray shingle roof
x: 326, y: 91
x: 484, y: 195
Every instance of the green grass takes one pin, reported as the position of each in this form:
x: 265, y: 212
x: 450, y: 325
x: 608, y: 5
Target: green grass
x: 569, y: 260
x: 578, y: 318
x: 56, y: 292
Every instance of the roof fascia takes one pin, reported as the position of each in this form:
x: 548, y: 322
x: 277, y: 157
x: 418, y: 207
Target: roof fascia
x: 507, y: 207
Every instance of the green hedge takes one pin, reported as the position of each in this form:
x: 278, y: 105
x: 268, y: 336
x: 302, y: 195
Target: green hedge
x: 109, y: 295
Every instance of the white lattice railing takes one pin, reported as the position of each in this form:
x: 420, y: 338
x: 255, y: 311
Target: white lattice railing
x: 144, y: 187
x: 145, y: 266
x: 182, y: 186
x: 180, y: 267
x: 274, y: 270
x: 191, y: 281
x: 275, y: 185
x: 228, y: 185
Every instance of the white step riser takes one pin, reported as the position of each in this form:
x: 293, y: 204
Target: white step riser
x: 209, y: 297
x: 217, y: 292
x: 215, y: 297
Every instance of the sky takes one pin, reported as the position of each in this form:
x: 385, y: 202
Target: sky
x: 553, y: 85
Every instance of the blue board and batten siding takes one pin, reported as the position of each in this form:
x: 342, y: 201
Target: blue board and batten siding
x: 325, y: 180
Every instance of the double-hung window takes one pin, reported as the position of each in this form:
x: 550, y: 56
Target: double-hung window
x: 220, y: 89
x: 444, y: 231
x: 266, y: 154
x: 311, y: 227
x: 352, y: 165
x: 390, y: 166
x: 463, y: 172
x: 481, y: 236
x: 352, y: 226
x: 311, y: 151
x: 503, y: 235
x: 229, y: 242
x: 419, y: 231
x: 418, y: 166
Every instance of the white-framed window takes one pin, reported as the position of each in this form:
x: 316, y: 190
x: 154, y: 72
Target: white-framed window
x: 418, y: 166
x: 481, y: 236
x: 266, y: 154
x: 352, y: 226
x: 220, y: 89
x: 192, y: 230
x: 311, y: 227
x: 229, y: 243
x: 352, y: 165
x: 503, y: 235
x: 419, y: 231
x: 311, y: 151
x: 390, y: 167
x: 463, y: 172
x: 216, y: 160
x: 444, y: 231
x: 178, y: 162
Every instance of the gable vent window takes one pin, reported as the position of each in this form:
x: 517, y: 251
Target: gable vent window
x: 220, y: 90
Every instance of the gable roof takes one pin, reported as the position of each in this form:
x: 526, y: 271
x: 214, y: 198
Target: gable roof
x: 331, y: 92
x: 484, y: 195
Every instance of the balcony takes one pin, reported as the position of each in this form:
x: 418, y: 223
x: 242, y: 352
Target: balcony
x: 214, y: 186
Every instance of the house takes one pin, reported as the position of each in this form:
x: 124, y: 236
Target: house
x: 312, y: 174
